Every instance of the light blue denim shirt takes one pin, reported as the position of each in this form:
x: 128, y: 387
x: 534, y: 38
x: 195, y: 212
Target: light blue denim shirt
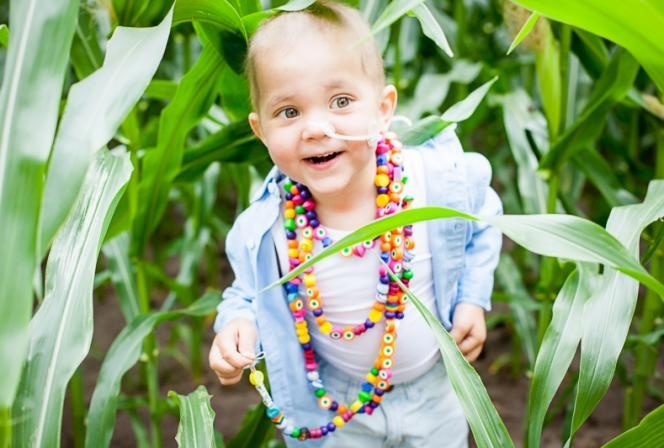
x: 464, y: 257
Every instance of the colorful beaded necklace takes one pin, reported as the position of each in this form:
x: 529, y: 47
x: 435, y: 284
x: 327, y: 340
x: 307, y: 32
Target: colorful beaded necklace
x: 396, y: 247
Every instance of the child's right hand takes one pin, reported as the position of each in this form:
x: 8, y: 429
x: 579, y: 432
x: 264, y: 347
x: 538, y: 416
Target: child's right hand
x: 233, y: 349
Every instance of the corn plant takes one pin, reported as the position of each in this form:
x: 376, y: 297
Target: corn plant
x: 571, y: 119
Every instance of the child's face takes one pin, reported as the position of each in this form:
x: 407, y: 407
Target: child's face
x: 311, y: 84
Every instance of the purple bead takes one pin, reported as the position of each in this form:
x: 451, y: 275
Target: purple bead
x: 288, y: 196
x: 334, y: 406
x: 389, y: 314
x: 361, y: 410
x: 399, y: 315
x: 379, y: 392
x: 368, y: 324
x: 373, y: 404
x: 306, y: 346
x: 304, y: 192
x: 331, y: 427
x: 384, y: 279
x: 311, y: 215
x: 314, y: 223
x: 318, y: 312
x: 291, y: 235
x: 382, y: 190
x: 324, y: 430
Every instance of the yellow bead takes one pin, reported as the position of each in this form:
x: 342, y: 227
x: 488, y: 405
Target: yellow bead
x: 382, y: 200
x: 293, y: 253
x: 338, y: 421
x: 304, y: 339
x: 309, y: 280
x: 289, y: 213
x: 306, y: 245
x: 382, y: 180
x: 370, y: 377
x: 256, y: 378
x: 326, y: 328
x: 357, y: 404
x: 375, y: 315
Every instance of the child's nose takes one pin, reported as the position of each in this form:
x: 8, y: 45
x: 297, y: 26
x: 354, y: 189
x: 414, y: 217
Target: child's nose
x: 314, y: 129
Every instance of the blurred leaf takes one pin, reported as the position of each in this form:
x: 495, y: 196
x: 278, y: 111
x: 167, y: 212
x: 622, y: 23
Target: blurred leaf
x: 428, y: 127
x: 432, y: 29
x: 562, y: 236
x: 487, y: 426
x: 640, y: 30
x: 650, y: 432
x: 547, y: 66
x: 86, y: 54
x: 161, y: 89
x: 608, y: 314
x: 509, y: 277
x: 591, y: 52
x: 233, y: 143
x: 122, y: 275
x: 161, y: 165
x: 252, y: 21
x: 95, y: 109
x: 603, y: 177
x: 394, y: 11
x: 121, y: 356
x: 34, y: 73
x: 4, y: 35
x: 255, y: 430
x: 196, y: 427
x: 61, y: 330
x: 521, y: 119
x: 612, y: 86
x: 524, y: 31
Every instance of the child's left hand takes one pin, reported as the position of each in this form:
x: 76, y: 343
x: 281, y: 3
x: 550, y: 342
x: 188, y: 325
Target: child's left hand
x: 469, y: 329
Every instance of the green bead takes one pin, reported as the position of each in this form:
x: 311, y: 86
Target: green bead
x: 374, y: 371
x: 289, y: 224
x: 299, y: 210
x: 407, y: 274
x: 288, y: 185
x: 296, y: 433
x: 364, y: 396
x: 320, y: 392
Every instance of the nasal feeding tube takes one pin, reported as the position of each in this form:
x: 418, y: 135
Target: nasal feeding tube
x: 329, y: 130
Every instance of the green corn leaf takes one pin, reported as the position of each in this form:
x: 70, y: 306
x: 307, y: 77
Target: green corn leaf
x: 557, y: 350
x: 591, y: 52
x: 233, y: 143
x: 650, y: 432
x: 509, y: 277
x: 639, y: 29
x: 485, y: 423
x: 547, y: 66
x: 4, y: 35
x: 428, y: 127
x: 432, y: 29
x: 524, y: 31
x: 96, y: 107
x: 255, y: 430
x: 34, y: 73
x: 520, y: 119
x: 608, y: 314
x: 603, y: 177
x: 393, y: 12
x: 562, y: 236
x: 612, y: 87
x: 86, y: 53
x: 219, y: 13
x: 196, y: 427
x: 161, y: 89
x: 116, y: 252
x: 122, y: 355
x: 61, y: 330
x: 252, y: 21
x: 161, y: 165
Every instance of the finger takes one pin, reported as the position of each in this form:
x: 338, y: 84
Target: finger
x: 247, y: 344
x: 469, y: 344
x: 459, y: 332
x: 473, y: 354
x: 229, y: 351
x: 227, y: 381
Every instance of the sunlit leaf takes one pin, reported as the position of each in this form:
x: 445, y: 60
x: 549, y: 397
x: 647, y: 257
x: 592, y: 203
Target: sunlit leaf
x: 196, y: 427
x: 524, y: 31
x: 394, y: 11
x: 650, y: 432
x: 432, y: 29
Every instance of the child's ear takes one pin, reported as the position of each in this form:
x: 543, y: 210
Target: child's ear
x: 388, y: 104
x: 255, y: 124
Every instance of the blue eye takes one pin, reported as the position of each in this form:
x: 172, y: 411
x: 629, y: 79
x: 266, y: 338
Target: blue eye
x: 288, y: 112
x: 341, y: 102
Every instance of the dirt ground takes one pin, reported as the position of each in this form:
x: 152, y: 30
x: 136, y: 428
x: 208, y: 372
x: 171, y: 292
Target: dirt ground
x: 507, y: 391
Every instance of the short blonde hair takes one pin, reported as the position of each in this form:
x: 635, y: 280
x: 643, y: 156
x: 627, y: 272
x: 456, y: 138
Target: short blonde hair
x: 323, y: 17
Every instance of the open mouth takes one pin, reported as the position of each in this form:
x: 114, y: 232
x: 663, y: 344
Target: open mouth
x: 322, y: 158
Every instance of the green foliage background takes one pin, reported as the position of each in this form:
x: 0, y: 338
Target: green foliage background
x: 125, y: 151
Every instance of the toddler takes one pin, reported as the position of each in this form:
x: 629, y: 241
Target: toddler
x: 349, y: 362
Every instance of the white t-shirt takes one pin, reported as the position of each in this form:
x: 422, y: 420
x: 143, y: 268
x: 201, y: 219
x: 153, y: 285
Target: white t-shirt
x: 347, y: 288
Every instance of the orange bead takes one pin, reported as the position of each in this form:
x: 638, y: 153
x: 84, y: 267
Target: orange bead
x: 385, y: 247
x: 382, y: 169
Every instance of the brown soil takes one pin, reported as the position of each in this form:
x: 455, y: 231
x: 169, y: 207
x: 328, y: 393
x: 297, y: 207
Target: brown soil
x: 507, y: 391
